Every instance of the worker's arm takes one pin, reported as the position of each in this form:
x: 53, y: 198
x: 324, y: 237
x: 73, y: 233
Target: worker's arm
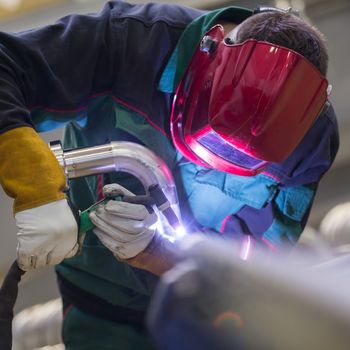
x: 46, y: 227
x: 54, y: 70
x: 52, y: 75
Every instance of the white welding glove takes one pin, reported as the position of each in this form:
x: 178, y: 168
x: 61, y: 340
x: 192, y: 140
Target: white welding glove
x: 124, y: 228
x: 46, y: 235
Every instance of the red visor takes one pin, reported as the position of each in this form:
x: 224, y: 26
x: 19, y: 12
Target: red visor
x: 241, y: 106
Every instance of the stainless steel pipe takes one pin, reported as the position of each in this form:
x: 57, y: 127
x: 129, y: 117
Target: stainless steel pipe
x: 122, y: 156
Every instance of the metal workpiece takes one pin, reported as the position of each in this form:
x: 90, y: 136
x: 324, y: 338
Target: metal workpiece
x: 57, y: 150
x: 122, y: 156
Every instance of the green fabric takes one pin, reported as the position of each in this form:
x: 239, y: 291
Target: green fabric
x: 190, y: 39
x: 82, y: 331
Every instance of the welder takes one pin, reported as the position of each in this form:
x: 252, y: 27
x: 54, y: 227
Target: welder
x: 235, y: 101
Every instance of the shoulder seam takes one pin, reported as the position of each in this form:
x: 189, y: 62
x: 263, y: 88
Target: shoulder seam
x: 149, y: 23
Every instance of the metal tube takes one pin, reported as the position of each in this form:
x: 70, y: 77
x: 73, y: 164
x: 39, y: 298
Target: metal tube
x: 122, y: 156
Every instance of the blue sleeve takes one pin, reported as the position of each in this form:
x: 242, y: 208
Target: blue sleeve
x: 57, y: 66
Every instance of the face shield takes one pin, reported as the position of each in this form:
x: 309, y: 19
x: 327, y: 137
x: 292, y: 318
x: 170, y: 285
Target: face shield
x: 241, y: 106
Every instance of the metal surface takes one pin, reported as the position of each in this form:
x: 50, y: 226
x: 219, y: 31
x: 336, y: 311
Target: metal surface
x: 121, y: 156
x: 214, y: 300
x: 127, y: 157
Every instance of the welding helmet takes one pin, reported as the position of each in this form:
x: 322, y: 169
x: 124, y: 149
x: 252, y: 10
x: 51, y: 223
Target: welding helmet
x: 241, y: 106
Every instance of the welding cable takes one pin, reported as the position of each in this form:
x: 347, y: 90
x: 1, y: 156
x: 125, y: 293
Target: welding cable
x: 8, y: 297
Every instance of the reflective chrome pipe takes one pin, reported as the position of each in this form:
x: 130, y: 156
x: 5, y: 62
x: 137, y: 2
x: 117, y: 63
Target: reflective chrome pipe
x: 122, y: 156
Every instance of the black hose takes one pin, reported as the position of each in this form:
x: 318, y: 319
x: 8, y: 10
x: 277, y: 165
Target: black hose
x: 8, y: 297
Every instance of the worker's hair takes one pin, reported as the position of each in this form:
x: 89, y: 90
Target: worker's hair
x: 288, y: 30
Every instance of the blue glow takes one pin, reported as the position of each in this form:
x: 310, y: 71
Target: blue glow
x: 48, y: 125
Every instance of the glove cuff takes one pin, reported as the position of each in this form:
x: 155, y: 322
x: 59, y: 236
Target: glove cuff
x: 29, y: 171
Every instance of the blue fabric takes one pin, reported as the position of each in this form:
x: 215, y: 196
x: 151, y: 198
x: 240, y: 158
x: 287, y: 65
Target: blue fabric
x: 48, y: 125
x: 166, y: 83
x: 249, y: 221
x: 213, y: 195
x: 280, y: 220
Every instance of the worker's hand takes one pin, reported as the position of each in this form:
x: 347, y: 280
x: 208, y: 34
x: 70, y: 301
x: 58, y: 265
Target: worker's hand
x: 124, y: 228
x: 46, y: 235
